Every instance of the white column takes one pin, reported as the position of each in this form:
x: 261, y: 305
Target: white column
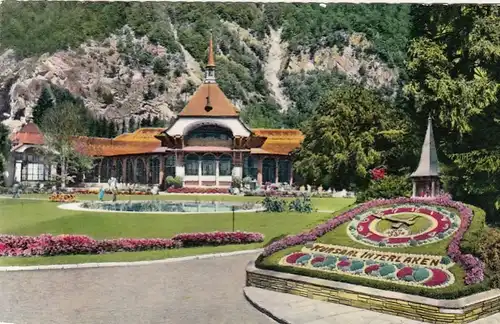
x: 199, y: 172
x: 414, y: 188
x: 17, y: 172
x: 433, y: 188
x: 217, y: 172
x: 237, y: 171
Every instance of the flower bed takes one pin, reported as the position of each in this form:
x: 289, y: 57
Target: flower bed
x: 120, y: 192
x: 218, y: 238
x: 62, y: 197
x: 400, y: 273
x: 198, y: 190
x: 48, y: 245
x: 473, y: 266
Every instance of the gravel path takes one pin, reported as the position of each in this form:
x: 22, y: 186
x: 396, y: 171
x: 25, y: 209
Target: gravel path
x: 198, y: 291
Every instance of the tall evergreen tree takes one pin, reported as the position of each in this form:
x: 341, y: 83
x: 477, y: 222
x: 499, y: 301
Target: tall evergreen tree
x: 112, y: 129
x: 131, y: 125
x: 156, y: 122
x: 45, y: 101
x: 4, y: 148
x: 124, y: 127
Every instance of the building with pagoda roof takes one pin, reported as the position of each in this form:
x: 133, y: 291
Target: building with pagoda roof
x: 206, y: 145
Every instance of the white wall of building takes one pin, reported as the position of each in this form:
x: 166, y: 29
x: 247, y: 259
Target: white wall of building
x: 183, y: 124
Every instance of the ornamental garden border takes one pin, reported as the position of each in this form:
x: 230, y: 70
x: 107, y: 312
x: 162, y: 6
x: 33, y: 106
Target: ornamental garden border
x: 352, y: 272
x: 462, y: 310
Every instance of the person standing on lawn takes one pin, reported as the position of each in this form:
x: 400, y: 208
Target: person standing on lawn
x: 101, y: 193
x: 15, y: 190
x: 113, y: 186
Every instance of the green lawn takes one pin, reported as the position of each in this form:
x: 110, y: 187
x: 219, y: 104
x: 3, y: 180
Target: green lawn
x: 34, y: 217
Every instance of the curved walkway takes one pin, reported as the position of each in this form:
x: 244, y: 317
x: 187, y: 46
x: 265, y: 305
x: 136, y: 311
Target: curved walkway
x: 198, y: 291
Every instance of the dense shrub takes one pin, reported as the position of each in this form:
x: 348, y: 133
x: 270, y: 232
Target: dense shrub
x: 236, y: 182
x: 489, y: 252
x: 175, y: 182
x: 303, y: 205
x: 387, y: 187
x: 274, y: 204
x: 217, y: 238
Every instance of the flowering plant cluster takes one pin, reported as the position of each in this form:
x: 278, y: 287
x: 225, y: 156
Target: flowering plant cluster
x: 473, y: 266
x: 48, y: 245
x: 424, y: 276
x: 198, y: 190
x: 108, y: 191
x: 65, y: 198
x: 378, y: 173
x: 218, y: 238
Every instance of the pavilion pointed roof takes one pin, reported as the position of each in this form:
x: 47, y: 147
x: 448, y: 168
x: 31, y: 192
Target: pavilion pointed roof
x: 428, y: 165
x: 209, y: 100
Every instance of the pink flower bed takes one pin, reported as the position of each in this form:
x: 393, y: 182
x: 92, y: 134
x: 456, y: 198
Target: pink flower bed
x: 218, y: 238
x: 48, y: 245
x: 473, y: 266
x: 198, y: 190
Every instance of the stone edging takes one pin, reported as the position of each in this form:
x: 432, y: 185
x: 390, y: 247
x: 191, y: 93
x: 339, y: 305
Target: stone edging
x: 76, y: 206
x: 262, y: 309
x: 464, y: 309
x: 125, y: 264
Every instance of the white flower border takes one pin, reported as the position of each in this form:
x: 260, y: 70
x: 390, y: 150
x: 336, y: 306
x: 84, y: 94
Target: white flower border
x: 455, y: 218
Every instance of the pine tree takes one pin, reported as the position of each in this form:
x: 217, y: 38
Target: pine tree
x: 156, y: 122
x: 45, y: 102
x: 112, y: 129
x: 124, y: 127
x: 131, y: 125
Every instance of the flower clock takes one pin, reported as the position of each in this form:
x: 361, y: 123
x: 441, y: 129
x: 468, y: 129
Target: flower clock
x: 403, y: 225
x: 428, y: 271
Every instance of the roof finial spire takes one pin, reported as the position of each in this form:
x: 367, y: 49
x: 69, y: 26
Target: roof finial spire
x: 211, y: 60
x: 210, y: 68
x: 428, y: 165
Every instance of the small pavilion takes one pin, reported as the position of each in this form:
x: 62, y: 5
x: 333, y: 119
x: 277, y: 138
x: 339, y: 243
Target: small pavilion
x: 426, y: 178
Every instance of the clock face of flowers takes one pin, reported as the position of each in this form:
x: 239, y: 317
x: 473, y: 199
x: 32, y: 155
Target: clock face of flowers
x: 403, y: 225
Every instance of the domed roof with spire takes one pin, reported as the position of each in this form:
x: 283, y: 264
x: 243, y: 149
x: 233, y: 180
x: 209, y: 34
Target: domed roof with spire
x: 209, y: 100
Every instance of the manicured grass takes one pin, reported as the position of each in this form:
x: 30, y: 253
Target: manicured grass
x: 35, y: 217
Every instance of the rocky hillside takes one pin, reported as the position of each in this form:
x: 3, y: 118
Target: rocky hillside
x: 149, y: 59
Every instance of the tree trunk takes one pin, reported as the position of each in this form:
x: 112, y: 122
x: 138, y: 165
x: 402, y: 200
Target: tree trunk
x: 63, y: 172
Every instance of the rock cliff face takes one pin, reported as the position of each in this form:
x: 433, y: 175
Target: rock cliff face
x: 126, y: 77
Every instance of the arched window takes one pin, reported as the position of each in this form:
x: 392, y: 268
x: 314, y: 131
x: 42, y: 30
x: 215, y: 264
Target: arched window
x: 284, y: 171
x: 105, y: 169
x: 250, y: 167
x: 225, y: 165
x: 130, y: 171
x: 269, y: 170
x: 208, y: 165
x: 191, y: 164
x: 119, y: 170
x: 170, y: 166
x: 141, y: 171
x: 154, y: 171
x: 209, y: 135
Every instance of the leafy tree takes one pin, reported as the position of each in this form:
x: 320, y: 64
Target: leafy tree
x: 4, y: 148
x: 111, y: 133
x: 45, y: 101
x: 60, y: 125
x: 265, y: 115
x: 453, y: 69
x: 343, y: 139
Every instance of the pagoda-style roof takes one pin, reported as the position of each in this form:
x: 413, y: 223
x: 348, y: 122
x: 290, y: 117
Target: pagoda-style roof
x: 221, y: 106
x: 141, y: 141
x: 428, y: 165
x: 278, y: 141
